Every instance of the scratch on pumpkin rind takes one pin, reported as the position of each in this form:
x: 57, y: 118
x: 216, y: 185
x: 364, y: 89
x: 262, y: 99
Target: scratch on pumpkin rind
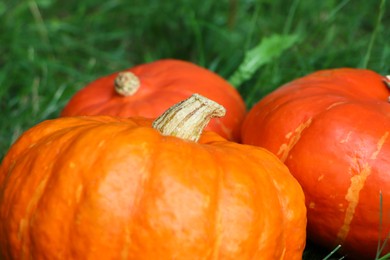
x: 335, y: 105
x: 293, y: 138
x: 357, y: 184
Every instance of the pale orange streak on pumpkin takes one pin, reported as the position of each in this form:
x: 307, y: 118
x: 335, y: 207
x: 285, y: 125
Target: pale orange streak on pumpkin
x: 346, y: 139
x: 79, y: 192
x: 379, y: 145
x: 357, y: 184
x: 293, y: 138
x: 218, y: 226
x: 23, y: 225
x: 126, y: 248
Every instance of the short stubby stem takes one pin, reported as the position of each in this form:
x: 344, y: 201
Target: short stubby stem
x: 126, y: 83
x: 386, y: 80
x: 188, y: 118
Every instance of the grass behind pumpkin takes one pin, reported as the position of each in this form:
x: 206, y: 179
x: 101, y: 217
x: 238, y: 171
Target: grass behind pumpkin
x: 50, y: 49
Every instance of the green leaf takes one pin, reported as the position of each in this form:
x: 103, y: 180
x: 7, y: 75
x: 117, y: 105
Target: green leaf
x: 267, y: 50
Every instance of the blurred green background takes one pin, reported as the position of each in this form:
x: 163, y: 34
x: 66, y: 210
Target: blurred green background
x: 50, y: 49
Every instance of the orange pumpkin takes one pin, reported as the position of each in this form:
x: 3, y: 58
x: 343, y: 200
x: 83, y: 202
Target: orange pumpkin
x: 114, y: 188
x: 332, y: 129
x: 149, y: 89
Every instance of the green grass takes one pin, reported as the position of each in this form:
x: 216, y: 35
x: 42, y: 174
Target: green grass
x: 50, y: 49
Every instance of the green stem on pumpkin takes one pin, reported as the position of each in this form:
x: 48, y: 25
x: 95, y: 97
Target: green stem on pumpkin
x: 188, y: 118
x: 126, y: 83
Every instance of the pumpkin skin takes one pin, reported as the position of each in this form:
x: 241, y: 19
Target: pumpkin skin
x: 331, y: 128
x: 101, y: 187
x: 163, y: 83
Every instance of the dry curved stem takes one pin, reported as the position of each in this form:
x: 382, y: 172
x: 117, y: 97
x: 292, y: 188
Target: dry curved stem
x: 188, y: 118
x: 126, y: 83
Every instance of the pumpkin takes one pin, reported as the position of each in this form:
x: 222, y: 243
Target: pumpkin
x: 149, y: 89
x: 331, y: 128
x: 103, y: 187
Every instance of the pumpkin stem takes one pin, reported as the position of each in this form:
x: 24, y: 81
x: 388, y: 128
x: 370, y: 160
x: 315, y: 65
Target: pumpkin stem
x: 188, y: 118
x: 126, y: 83
x: 386, y: 80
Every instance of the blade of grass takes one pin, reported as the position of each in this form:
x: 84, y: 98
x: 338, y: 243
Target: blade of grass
x: 36, y: 13
x: 291, y: 14
x: 332, y: 252
x: 374, y: 34
x: 381, y: 245
x: 252, y: 27
x: 378, y: 251
x: 199, y: 39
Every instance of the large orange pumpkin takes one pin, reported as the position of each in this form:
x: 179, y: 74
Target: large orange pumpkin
x: 331, y: 128
x: 149, y: 89
x: 101, y: 187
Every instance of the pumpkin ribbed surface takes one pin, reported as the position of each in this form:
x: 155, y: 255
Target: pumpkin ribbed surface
x: 331, y: 128
x: 112, y: 188
x: 162, y: 83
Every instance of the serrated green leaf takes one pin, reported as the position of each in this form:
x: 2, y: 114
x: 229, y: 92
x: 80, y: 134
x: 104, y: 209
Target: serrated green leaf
x: 267, y: 50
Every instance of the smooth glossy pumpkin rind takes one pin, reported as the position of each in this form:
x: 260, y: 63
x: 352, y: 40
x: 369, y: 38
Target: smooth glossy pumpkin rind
x: 163, y: 83
x: 105, y: 188
x: 331, y: 128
